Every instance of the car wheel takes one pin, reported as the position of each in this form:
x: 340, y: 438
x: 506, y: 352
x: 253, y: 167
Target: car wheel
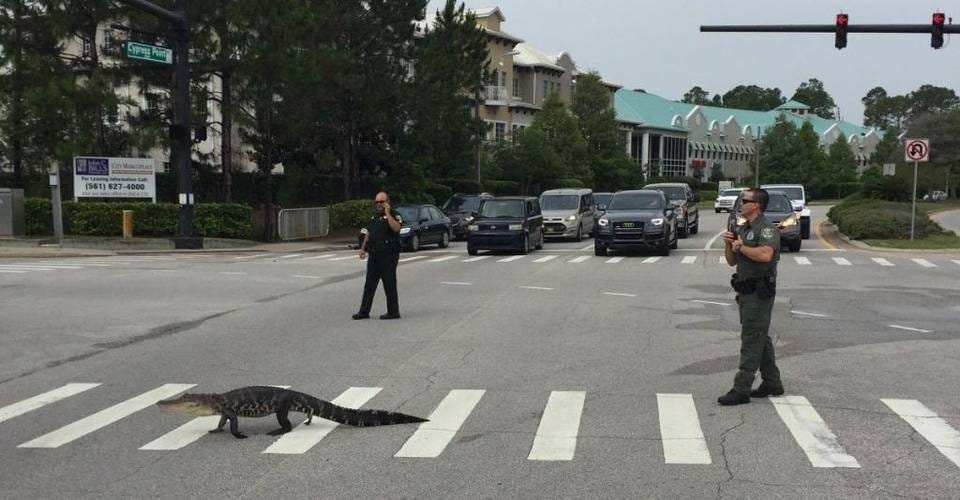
x: 540, y: 242
x: 664, y: 250
x: 795, y: 246
x: 696, y: 227
x: 717, y: 209
x: 446, y: 240
x: 579, y: 236
x: 525, y: 245
x: 415, y: 243
x: 805, y: 229
x: 682, y: 232
x: 471, y: 250
x: 599, y: 251
x: 675, y: 243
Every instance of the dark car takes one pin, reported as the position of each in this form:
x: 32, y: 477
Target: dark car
x: 686, y: 199
x: 602, y: 200
x: 507, y: 223
x: 639, y: 219
x: 461, y: 209
x: 423, y: 225
x: 780, y: 211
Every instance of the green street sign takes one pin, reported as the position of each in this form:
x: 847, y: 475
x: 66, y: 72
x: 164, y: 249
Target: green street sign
x: 149, y: 53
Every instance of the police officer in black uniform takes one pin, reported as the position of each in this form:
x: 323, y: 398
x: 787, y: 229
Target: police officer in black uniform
x: 382, y: 242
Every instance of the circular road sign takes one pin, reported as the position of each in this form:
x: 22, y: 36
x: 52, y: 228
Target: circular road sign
x: 918, y: 150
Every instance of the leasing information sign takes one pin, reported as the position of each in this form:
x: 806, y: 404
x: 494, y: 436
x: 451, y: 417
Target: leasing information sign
x: 95, y: 177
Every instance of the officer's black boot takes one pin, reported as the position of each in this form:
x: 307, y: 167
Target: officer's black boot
x: 766, y: 390
x: 734, y: 397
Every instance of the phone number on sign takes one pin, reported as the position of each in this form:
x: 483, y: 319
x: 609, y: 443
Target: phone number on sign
x: 113, y: 186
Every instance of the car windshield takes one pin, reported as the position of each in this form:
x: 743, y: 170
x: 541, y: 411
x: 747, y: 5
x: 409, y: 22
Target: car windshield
x: 462, y: 204
x: 409, y: 214
x: 559, y: 202
x: 602, y: 199
x: 635, y: 201
x: 731, y: 192
x: 779, y: 203
x: 792, y: 193
x: 672, y: 193
x: 501, y: 208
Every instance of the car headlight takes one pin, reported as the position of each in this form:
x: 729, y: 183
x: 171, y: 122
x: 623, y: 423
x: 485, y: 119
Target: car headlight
x: 657, y: 222
x: 515, y: 227
x: 404, y: 230
x: 791, y: 220
x: 473, y: 227
x: 571, y: 218
x: 468, y: 219
x: 604, y: 222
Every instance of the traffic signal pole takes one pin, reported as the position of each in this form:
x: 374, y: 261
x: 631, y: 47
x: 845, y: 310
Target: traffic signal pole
x: 180, y: 131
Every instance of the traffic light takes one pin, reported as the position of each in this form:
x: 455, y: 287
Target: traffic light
x: 843, y: 20
x: 936, y: 31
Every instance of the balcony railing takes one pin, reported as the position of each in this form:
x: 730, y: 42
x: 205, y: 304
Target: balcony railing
x: 497, y: 93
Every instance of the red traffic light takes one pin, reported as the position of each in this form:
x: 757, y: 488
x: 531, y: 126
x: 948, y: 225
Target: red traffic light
x: 844, y: 19
x: 939, y: 18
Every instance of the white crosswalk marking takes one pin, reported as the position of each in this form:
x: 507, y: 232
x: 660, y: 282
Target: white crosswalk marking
x: 291, y: 256
x: 477, y: 259
x: 841, y: 261
x: 577, y: 260
x: 933, y: 428
x: 957, y: 262
x: 346, y: 257
x: 415, y: 257
x: 511, y: 259
x: 44, y: 266
x: 257, y: 256
x: 651, y: 260
x: 443, y: 259
x: 187, y: 433
x: 548, y: 258
x: 26, y: 269
x: 39, y: 401
x: 105, y: 417
x: 690, y: 259
x: 614, y: 260
x: 683, y: 441
x: 883, y: 262
x: 556, y: 437
x: 317, y: 257
x: 303, y: 437
x: 811, y: 433
x: 924, y: 262
x: 7, y: 271
x: 803, y: 261
x: 432, y: 437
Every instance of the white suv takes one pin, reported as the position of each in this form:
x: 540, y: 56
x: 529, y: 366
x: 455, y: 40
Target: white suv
x: 798, y: 197
x: 726, y: 199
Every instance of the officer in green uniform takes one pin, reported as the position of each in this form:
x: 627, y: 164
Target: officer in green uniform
x: 755, y: 249
x: 382, y: 242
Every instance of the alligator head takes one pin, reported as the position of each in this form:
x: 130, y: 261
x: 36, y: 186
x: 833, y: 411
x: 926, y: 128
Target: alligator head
x: 195, y: 405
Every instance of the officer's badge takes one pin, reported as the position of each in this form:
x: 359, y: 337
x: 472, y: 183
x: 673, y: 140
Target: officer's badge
x: 750, y: 234
x: 767, y: 232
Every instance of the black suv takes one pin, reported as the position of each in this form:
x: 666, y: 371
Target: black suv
x: 506, y: 223
x: 461, y: 209
x: 685, y: 199
x: 637, y: 219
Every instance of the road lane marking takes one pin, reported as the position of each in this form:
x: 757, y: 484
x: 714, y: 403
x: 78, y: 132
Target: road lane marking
x: 933, y: 428
x: 415, y: 257
x: 455, y: 283
x: 812, y: 434
x: 910, y: 329
x: 556, y: 437
x: 548, y: 258
x: 680, y: 431
x: 535, y: 288
x: 588, y: 247
x: 303, y: 437
x: 820, y: 237
x: 25, y: 269
x: 443, y: 259
x: 957, y: 262
x: 45, y: 266
x: 257, y: 256
x: 613, y: 260
x: 617, y: 294
x: 511, y: 259
x: 841, y: 261
x: 814, y: 315
x: 924, y: 262
x: 711, y: 302
x: 347, y: 257
x: 291, y: 256
x: 690, y: 259
x: 803, y: 261
x: 105, y: 417
x: 709, y: 244
x: 317, y: 257
x: 578, y: 260
x: 432, y: 437
x: 188, y: 432
x: 7, y: 271
x: 477, y: 259
x: 651, y: 260
x: 229, y: 273
x: 41, y: 400
x: 883, y: 262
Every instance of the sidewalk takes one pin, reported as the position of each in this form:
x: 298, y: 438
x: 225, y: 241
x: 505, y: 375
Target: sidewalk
x: 97, y: 247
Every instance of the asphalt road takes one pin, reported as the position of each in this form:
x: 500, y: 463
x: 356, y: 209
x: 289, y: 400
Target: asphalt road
x: 554, y: 375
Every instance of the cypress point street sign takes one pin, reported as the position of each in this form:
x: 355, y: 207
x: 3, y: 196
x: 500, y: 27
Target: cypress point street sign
x: 149, y: 53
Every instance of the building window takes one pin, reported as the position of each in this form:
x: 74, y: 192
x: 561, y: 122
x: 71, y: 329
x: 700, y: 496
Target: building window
x: 151, y: 104
x: 516, y: 85
x: 499, y: 131
x: 87, y: 49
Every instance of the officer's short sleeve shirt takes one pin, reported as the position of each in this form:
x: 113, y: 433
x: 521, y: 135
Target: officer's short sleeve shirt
x: 760, y: 232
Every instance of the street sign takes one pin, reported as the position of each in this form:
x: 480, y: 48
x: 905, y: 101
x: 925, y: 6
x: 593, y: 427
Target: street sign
x: 114, y: 178
x: 149, y: 53
x: 917, y: 150
x: 889, y: 169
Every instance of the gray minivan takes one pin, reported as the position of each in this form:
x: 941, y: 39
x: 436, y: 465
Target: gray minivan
x: 568, y: 213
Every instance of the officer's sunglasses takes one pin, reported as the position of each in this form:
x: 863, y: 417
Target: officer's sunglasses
x: 380, y: 202
x: 744, y: 201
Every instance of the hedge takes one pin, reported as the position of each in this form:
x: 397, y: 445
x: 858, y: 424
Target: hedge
x: 708, y: 195
x: 877, y: 219
x: 212, y: 220
x: 351, y: 214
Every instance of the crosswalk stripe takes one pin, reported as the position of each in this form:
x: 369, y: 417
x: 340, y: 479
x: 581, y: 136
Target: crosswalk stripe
x: 291, y: 256
x: 346, y: 257
x: 317, y: 257
x: 477, y: 259
x: 27, y: 269
x: 811, y: 433
x: 45, y: 266
x: 933, y: 428
x: 187, y: 433
x: 548, y: 258
x: 682, y: 436
x: 614, y: 260
x: 957, y: 262
x: 303, y: 437
x: 443, y: 259
x: 511, y: 259
x: 431, y: 438
x: 105, y: 417
x: 883, y: 262
x: 924, y: 262
x: 415, y: 257
x: 257, y: 256
x: 556, y: 437
x: 689, y: 259
x: 841, y: 261
x: 41, y: 400
x: 803, y: 261
x: 577, y: 260
x: 651, y: 260
x: 7, y: 271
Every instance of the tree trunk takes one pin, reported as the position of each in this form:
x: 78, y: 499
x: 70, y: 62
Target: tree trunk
x: 15, y: 122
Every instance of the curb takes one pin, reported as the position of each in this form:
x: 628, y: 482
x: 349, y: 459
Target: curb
x: 864, y: 246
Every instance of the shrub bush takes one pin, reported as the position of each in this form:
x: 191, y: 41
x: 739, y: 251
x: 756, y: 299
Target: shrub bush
x: 38, y: 216
x: 878, y: 219
x: 708, y: 195
x: 350, y: 214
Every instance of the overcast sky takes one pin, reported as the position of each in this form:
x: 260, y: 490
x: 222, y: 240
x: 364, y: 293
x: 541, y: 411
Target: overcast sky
x: 657, y: 45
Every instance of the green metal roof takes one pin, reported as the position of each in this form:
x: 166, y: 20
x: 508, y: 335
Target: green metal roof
x: 793, y: 105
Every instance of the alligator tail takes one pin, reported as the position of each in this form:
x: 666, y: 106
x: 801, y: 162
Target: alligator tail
x: 360, y: 418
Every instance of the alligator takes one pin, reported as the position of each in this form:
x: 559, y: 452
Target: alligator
x: 261, y: 401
